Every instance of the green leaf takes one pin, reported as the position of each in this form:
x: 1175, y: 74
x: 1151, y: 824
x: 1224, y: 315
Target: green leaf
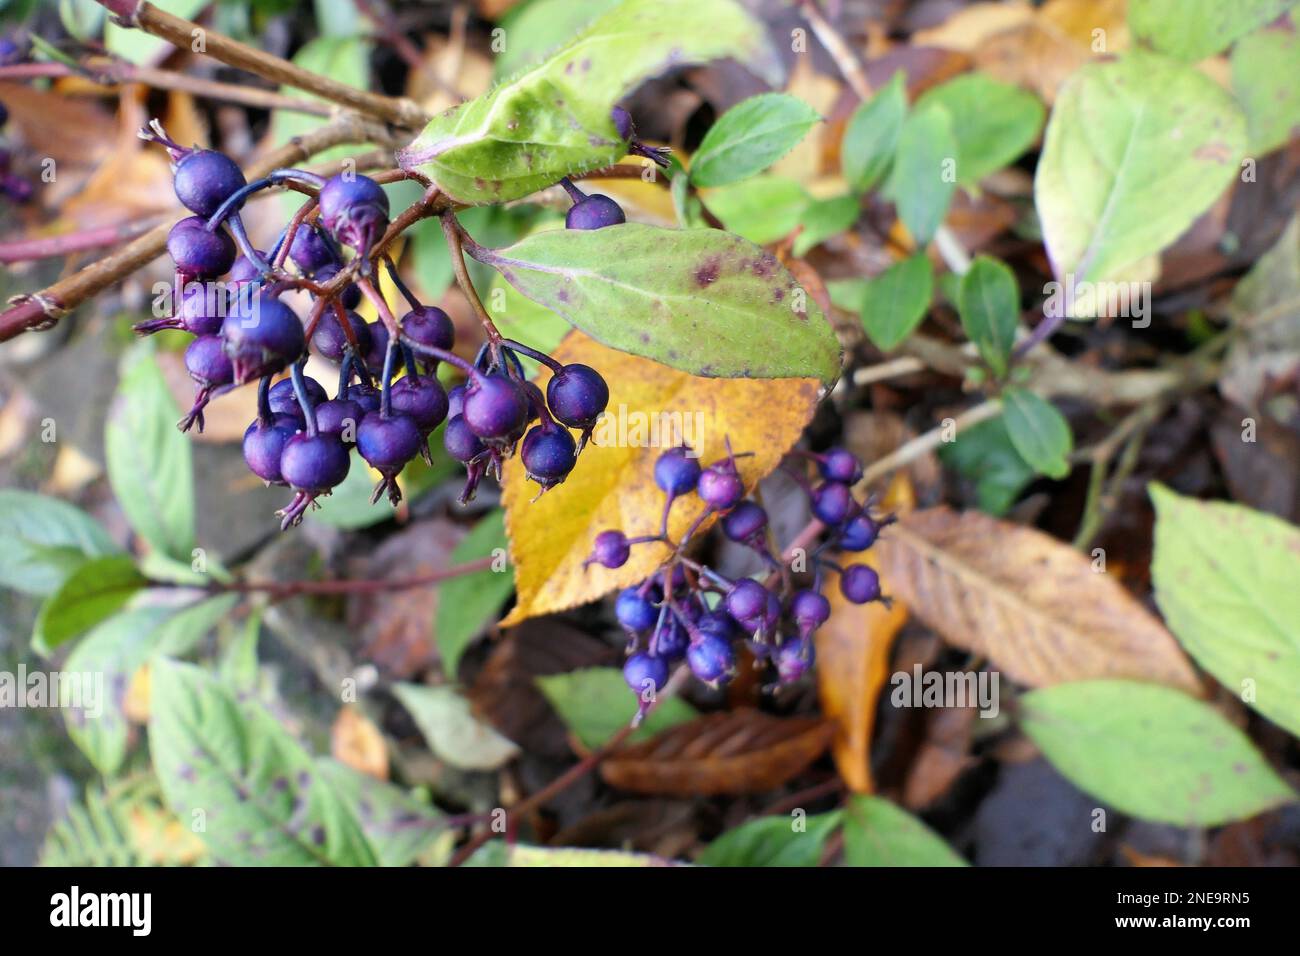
x: 260, y: 797
x: 97, y: 590
x: 985, y: 454
x: 750, y: 137
x: 823, y: 219
x: 878, y: 833
x: 554, y: 120
x: 871, y: 137
x: 989, y: 305
x: 186, y: 628
x: 699, y: 300
x: 1195, y: 29
x: 536, y: 27
x: 1135, y: 151
x: 142, y: 48
x: 83, y: 19
x: 1040, y: 433
x: 149, y: 461
x: 762, y: 210
x: 45, y: 540
x: 499, y: 853
x: 924, y: 176
x: 453, y: 733
x: 595, y: 703
x: 773, y: 841
x: 993, y: 123
x: 1264, y: 67
x: 466, y: 604
x: 399, y: 828
x: 1225, y: 578
x: 1152, y: 752
x: 895, y: 302
x: 489, y: 225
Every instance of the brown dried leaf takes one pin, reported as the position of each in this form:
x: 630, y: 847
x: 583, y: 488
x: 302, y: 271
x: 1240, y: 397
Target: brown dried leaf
x: 943, y: 756
x: 1026, y: 600
x: 742, y: 751
x: 357, y: 742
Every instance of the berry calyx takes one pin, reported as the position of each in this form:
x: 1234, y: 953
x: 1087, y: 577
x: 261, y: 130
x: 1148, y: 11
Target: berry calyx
x: 860, y: 583
x: 676, y: 472
x: 495, y: 407
x: 262, y: 336
x: 387, y: 444
x: 610, y: 550
x: 594, y: 212
x: 200, y: 254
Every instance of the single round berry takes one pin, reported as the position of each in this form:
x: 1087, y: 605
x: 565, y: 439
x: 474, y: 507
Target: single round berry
x: 387, y: 444
x: 671, y: 640
x: 623, y: 123
x: 205, y: 179
x: 549, y: 454
x: 810, y: 611
x: 377, y: 354
x: 720, y: 487
x: 577, y: 394
x: 793, y: 658
x: 719, y: 624
x: 832, y: 502
x: 422, y: 398
x: 610, y: 549
x: 430, y: 326
x: 367, y: 396
x: 312, y: 249
x: 283, y: 400
x: 330, y: 340
x: 351, y: 294
x: 860, y: 533
x: 206, y: 361
x: 460, y: 441
x: 746, y: 602
x: 710, y: 658
x: 456, y: 401
x: 262, y: 336
x: 635, y: 612
x: 676, y: 472
x: 354, y: 209
x: 264, y: 446
x: 199, y: 253
x: 495, y: 406
x: 837, y: 464
x: 536, y: 401
x: 314, y: 463
x: 339, y: 416
x: 745, y: 523
x: 595, y: 212
x: 860, y: 583
x: 645, y: 673
x: 243, y: 271
x: 202, y: 309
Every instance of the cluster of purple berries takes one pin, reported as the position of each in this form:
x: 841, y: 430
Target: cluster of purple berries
x: 686, y: 610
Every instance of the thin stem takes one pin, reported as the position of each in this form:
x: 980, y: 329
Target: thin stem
x: 451, y: 228
x: 304, y: 400
x: 576, y: 194
x: 407, y: 294
x: 532, y: 353
x: 45, y: 247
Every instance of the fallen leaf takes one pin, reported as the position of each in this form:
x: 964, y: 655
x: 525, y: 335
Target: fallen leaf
x: 853, y: 652
x: 651, y: 407
x: 357, y: 742
x: 742, y: 751
x: 1029, y: 602
x: 943, y: 757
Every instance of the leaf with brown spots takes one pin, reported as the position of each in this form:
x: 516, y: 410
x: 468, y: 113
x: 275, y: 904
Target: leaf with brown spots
x: 742, y: 751
x: 613, y: 483
x: 700, y: 300
x: 1032, y: 604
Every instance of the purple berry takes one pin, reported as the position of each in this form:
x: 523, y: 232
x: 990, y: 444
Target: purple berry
x: 314, y: 464
x: 206, y: 361
x: 676, y: 472
x: 350, y: 296
x: 594, y: 212
x: 671, y: 640
x: 832, y: 502
x: 460, y: 441
x: 198, y: 253
x: 549, y: 454
x: 329, y: 339
x: 645, y: 673
x: 719, y: 624
x: 720, y: 487
x: 456, y: 401
x: 793, y: 658
x: 312, y: 249
x: 623, y: 123
x: 387, y: 444
x: 422, y: 399
x: 339, y: 416
x: 860, y: 583
x: 711, y: 659
x: 495, y: 406
x: 836, y: 464
x: 610, y: 549
x: 577, y: 394
x: 366, y: 396
x: 262, y: 336
x: 378, y: 351
x: 860, y: 533
x: 284, y: 401
x: 205, y: 179
x: 264, y: 446
x: 810, y: 611
x: 354, y: 209
x: 202, y: 309
x: 242, y: 271
x: 745, y: 523
x: 430, y: 326
x: 634, y: 612
x: 747, y: 602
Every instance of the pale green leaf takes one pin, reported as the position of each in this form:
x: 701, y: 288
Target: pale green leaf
x: 924, y: 176
x: 878, y: 833
x: 993, y: 123
x: 96, y: 590
x: 1195, y: 29
x: 595, y: 703
x: 45, y: 540
x: 453, y: 733
x: 871, y: 137
x: 466, y: 604
x: 773, y: 841
x: 894, y: 302
x: 750, y: 137
x: 989, y: 305
x: 1039, y: 432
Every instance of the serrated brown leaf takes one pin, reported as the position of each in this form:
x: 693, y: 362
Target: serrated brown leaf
x: 1029, y: 602
x: 741, y: 751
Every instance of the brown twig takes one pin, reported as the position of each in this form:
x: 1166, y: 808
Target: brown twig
x: 45, y: 247
x: 451, y: 228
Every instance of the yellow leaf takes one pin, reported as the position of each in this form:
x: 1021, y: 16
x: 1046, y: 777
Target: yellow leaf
x: 853, y: 653
x: 357, y: 742
x: 613, y: 485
